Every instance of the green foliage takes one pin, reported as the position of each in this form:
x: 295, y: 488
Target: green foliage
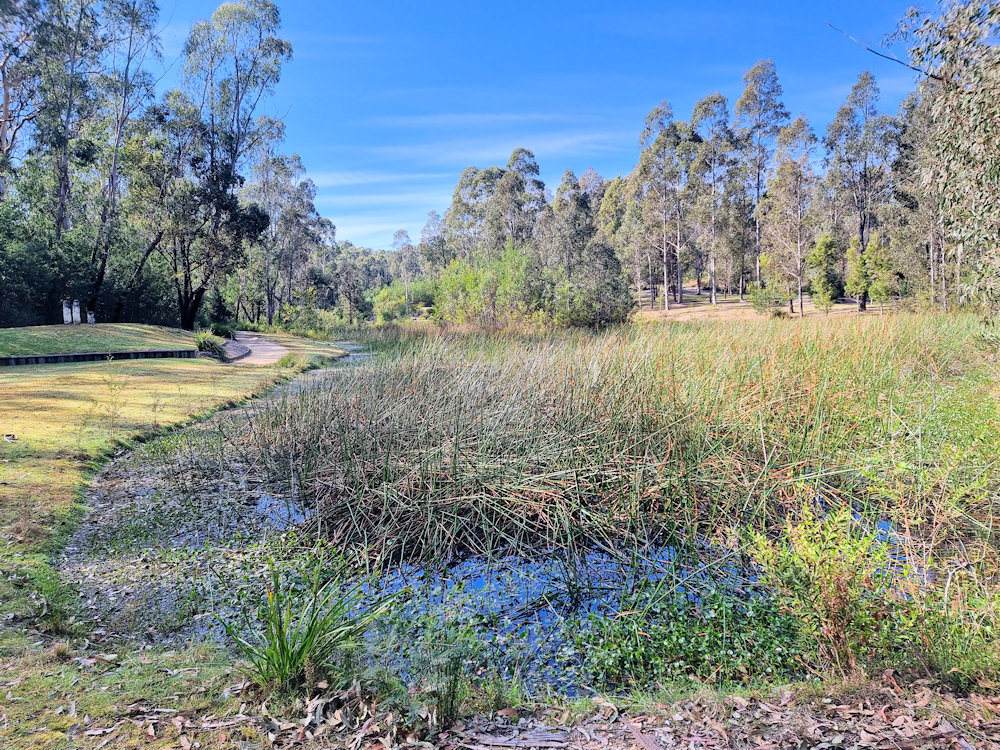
x: 223, y: 330
x: 858, y: 278
x: 663, y: 636
x: 441, y: 648
x: 834, y: 577
x: 302, y: 635
x: 884, y: 279
x: 825, y: 282
x: 960, y: 163
x: 766, y: 299
x: 494, y: 293
x: 389, y: 303
x: 208, y: 342
x: 858, y: 600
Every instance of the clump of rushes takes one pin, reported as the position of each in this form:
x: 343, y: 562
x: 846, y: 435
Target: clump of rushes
x: 303, y: 636
x: 499, y: 443
x: 650, y: 438
x: 208, y: 342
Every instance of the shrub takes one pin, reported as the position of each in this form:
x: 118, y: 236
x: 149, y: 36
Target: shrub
x: 299, y: 636
x: 223, y: 330
x: 835, y: 577
x: 764, y: 299
x: 208, y: 342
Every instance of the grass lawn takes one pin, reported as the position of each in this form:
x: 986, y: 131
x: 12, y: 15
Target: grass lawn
x: 63, y: 421
x: 103, y: 337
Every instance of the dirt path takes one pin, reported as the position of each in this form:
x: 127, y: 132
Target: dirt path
x: 263, y: 351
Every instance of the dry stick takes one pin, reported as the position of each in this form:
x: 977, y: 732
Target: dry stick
x: 893, y: 58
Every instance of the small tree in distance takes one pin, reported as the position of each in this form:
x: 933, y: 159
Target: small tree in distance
x: 824, y: 282
x: 858, y: 280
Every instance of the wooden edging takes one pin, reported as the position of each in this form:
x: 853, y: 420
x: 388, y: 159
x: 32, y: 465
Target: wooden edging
x: 52, y: 359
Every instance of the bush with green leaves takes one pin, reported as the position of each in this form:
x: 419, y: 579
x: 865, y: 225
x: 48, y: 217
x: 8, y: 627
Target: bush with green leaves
x: 209, y: 343
x: 766, y: 299
x: 301, y: 634
x: 835, y: 577
x: 223, y: 330
x: 867, y: 603
x: 825, y: 284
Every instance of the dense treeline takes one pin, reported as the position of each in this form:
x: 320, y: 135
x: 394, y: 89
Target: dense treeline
x: 744, y: 200
x: 182, y: 209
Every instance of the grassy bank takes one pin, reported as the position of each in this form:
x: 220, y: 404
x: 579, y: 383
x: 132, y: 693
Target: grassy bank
x: 103, y: 337
x: 62, y: 422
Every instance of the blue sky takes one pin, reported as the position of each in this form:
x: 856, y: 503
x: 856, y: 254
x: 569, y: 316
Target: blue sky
x: 387, y: 102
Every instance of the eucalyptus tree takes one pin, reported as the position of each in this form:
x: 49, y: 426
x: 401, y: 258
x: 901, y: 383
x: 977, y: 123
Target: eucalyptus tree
x: 760, y: 114
x: 516, y: 201
x: 434, y: 252
x: 738, y: 227
x: 913, y: 220
x: 295, y: 234
x: 130, y: 26
x: 619, y: 224
x: 668, y: 148
x: 70, y: 44
x: 860, y: 147
x: 233, y: 61
x: 467, y: 219
x: 407, y: 261
x: 713, y: 159
x: 958, y: 51
x: 570, y: 225
x: 206, y: 227
x: 20, y: 77
x: 157, y: 154
x: 785, y: 208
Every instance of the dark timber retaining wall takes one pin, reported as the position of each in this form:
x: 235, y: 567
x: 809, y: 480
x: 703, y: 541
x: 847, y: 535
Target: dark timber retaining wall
x: 51, y: 359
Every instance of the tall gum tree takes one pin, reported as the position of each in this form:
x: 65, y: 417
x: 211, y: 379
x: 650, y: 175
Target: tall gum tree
x: 860, y: 146
x: 785, y: 208
x: 710, y: 120
x: 233, y: 61
x: 668, y: 149
x: 760, y: 114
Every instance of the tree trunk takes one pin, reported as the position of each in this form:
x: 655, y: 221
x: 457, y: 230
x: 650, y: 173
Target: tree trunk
x: 189, y: 306
x: 666, y: 279
x: 136, y: 276
x: 711, y: 279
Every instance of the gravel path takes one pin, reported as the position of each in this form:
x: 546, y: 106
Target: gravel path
x: 262, y: 351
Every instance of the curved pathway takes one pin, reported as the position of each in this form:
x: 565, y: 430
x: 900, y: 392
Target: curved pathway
x: 263, y: 351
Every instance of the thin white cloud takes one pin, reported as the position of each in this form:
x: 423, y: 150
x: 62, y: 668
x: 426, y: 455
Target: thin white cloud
x: 334, y: 179
x: 497, y: 149
x: 467, y: 119
x: 429, y: 198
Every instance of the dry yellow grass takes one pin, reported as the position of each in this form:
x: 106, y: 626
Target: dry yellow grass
x: 698, y: 307
x: 58, y: 421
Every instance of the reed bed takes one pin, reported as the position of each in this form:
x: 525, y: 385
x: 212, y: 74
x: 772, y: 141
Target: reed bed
x: 444, y: 446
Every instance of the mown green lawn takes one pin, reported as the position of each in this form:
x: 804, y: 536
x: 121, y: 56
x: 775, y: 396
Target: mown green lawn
x: 103, y: 337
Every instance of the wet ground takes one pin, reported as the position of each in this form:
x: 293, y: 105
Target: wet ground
x: 181, y: 530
